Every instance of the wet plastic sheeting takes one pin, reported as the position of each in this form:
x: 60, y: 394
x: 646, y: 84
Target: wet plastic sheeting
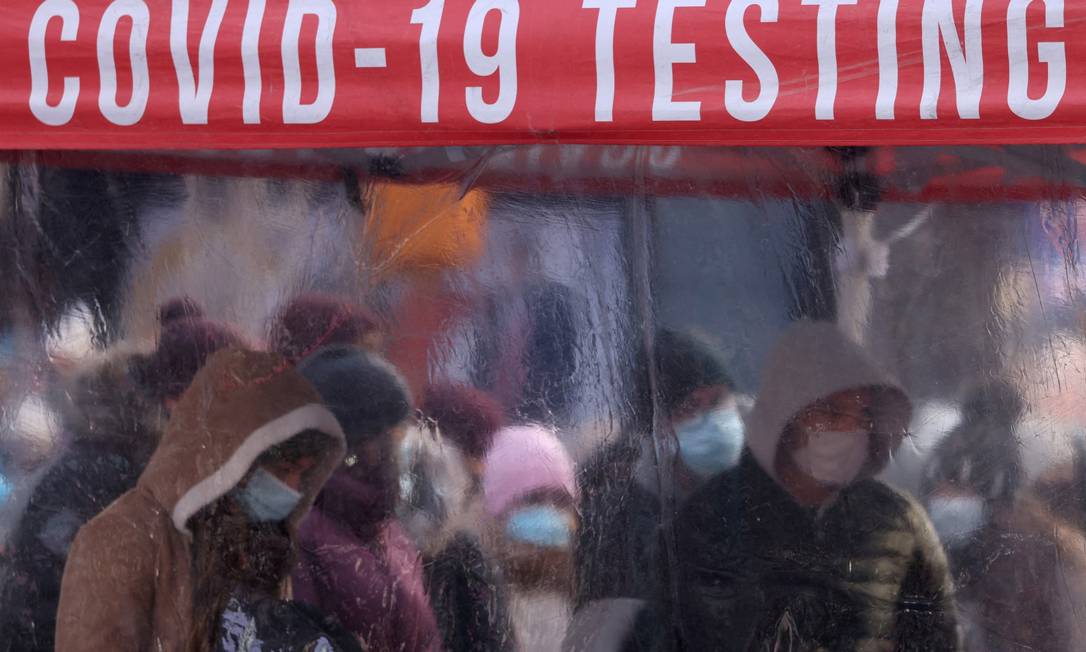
x: 661, y: 398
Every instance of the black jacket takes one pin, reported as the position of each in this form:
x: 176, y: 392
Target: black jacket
x: 758, y: 571
x: 250, y: 624
x: 81, y: 484
x: 468, y: 599
x: 620, y: 550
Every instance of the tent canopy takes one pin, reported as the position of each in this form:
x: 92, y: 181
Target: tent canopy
x: 330, y: 73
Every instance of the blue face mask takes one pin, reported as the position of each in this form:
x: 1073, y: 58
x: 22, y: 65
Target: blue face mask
x: 545, y: 526
x: 266, y: 498
x: 5, y: 488
x: 711, y: 443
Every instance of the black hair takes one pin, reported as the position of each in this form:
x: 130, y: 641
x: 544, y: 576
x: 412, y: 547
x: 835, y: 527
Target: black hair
x: 686, y: 362
x: 231, y: 553
x: 308, y: 443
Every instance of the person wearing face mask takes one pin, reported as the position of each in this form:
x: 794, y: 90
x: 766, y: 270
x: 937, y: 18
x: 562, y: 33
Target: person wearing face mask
x: 242, y: 553
x: 151, y: 571
x: 464, y: 584
x: 356, y: 561
x: 621, y: 567
x: 530, y: 500
x: 1019, y: 571
x: 112, y: 415
x: 799, y: 547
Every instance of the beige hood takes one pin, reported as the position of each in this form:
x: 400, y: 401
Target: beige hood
x: 241, y: 404
x: 812, y: 361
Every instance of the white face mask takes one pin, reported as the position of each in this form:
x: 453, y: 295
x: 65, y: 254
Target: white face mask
x: 834, y: 459
x: 956, y: 518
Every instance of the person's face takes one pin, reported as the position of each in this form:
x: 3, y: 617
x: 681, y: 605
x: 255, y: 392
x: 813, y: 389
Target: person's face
x: 841, y: 412
x: 377, y: 453
x: 829, y: 442
x: 374, y: 463
x: 475, y: 466
x: 292, y: 473
x: 373, y: 341
x: 524, y: 558
x: 371, y: 459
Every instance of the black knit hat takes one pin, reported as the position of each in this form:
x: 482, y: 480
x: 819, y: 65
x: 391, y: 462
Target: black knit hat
x: 686, y: 362
x: 366, y: 393
x: 997, y: 400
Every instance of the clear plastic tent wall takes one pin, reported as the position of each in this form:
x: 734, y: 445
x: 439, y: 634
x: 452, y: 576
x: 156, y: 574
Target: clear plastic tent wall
x: 500, y: 326
x: 588, y: 292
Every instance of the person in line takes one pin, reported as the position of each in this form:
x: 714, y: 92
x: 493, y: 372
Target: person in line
x: 434, y: 485
x: 467, y: 418
x: 1061, y: 487
x: 313, y: 320
x: 112, y: 415
x: 131, y: 577
x: 1019, y: 571
x: 531, y: 497
x: 355, y: 560
x: 464, y: 584
x: 799, y: 547
x: 242, y: 553
x: 621, y: 569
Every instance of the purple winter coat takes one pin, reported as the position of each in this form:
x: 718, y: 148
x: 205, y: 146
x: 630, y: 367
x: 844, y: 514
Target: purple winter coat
x: 370, y: 578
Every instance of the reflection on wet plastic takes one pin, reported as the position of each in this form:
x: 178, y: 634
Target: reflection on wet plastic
x: 655, y: 399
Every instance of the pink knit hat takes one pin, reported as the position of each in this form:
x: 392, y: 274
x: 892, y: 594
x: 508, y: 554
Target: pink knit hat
x: 523, y: 460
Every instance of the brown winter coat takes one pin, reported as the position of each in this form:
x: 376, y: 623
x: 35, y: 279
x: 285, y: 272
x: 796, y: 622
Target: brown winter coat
x: 1022, y: 582
x: 127, y: 586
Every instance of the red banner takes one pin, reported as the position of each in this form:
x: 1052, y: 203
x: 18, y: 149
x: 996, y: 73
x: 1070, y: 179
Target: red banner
x: 313, y: 73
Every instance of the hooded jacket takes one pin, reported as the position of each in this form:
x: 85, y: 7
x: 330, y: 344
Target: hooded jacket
x: 1022, y: 582
x: 127, y: 583
x: 759, y: 571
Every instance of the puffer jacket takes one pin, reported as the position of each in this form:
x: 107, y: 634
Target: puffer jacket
x: 759, y: 571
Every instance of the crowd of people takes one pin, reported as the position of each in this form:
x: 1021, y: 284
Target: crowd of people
x: 218, y: 494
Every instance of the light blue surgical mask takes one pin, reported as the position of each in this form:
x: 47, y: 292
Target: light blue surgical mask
x: 545, y: 526
x: 266, y: 498
x: 957, y: 518
x: 711, y: 443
